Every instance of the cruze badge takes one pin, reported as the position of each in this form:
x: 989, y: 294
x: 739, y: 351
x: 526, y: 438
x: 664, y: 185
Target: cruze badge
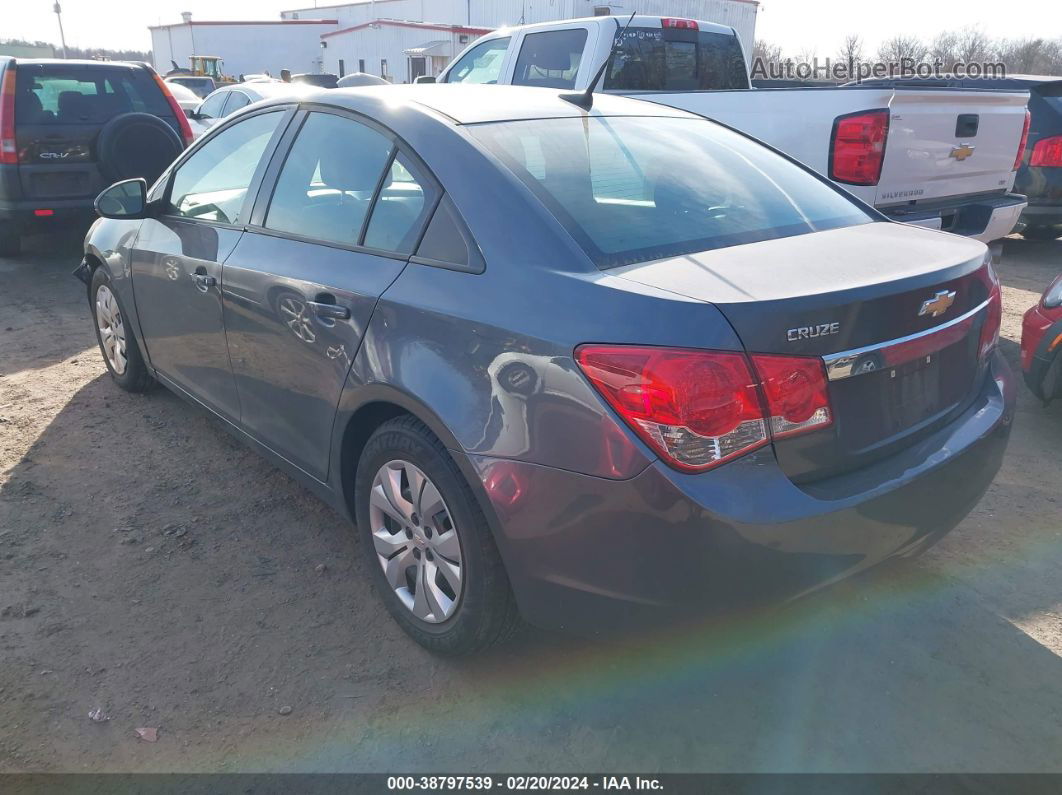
x: 938, y: 304
x: 810, y: 332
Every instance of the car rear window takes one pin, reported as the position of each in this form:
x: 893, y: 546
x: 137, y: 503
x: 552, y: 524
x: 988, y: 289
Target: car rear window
x: 631, y: 189
x: 48, y: 94
x: 675, y: 59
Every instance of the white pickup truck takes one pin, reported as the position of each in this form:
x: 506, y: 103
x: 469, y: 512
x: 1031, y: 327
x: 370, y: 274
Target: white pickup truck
x: 938, y: 157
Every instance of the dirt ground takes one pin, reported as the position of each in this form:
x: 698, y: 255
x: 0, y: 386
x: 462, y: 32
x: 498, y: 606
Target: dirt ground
x: 154, y: 569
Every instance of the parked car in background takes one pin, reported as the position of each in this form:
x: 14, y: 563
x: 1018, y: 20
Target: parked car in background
x: 1040, y: 176
x: 1041, y: 344
x: 940, y: 158
x: 640, y: 367
x: 186, y: 98
x: 229, y: 99
x: 320, y: 79
x: 200, y: 86
x: 359, y: 79
x: 68, y: 129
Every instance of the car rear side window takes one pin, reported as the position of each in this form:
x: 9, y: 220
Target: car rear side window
x: 47, y: 94
x: 631, y: 189
x: 550, y: 59
x: 212, y: 184
x: 401, y: 208
x: 237, y: 100
x: 675, y: 59
x: 326, y: 186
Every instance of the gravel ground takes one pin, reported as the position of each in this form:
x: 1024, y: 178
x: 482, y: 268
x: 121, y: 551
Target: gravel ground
x: 155, y: 570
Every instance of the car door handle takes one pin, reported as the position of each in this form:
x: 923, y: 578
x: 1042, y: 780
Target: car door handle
x: 329, y: 309
x: 203, y: 282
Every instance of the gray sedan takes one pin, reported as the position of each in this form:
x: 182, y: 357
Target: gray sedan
x: 591, y: 367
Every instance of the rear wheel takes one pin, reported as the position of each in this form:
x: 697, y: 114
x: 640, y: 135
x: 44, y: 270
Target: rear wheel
x: 119, y: 347
x: 10, y: 241
x: 427, y: 543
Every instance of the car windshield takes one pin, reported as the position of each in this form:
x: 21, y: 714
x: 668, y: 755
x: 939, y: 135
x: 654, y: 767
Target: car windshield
x: 631, y: 189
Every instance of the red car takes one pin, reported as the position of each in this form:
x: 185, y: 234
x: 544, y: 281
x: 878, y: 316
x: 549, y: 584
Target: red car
x: 1041, y: 343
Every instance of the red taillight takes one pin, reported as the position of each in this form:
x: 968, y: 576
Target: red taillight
x: 993, y: 312
x: 796, y: 391
x: 698, y: 409
x: 681, y: 24
x: 182, y: 120
x: 1022, y: 142
x: 8, y: 147
x: 1047, y: 153
x: 43, y: 213
x: 857, y: 147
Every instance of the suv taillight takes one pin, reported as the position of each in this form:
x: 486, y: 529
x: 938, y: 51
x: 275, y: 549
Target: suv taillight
x: 993, y: 312
x: 698, y: 409
x: 1022, y: 142
x: 8, y: 147
x: 1047, y: 153
x: 182, y: 120
x: 857, y: 147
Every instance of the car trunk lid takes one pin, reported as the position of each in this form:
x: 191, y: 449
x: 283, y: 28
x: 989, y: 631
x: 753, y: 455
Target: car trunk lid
x: 840, y: 295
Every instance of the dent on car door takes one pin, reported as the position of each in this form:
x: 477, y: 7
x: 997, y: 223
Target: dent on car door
x: 177, y: 259
x: 346, y: 212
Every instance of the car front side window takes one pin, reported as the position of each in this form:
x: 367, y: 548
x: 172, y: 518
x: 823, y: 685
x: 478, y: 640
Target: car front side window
x: 212, y: 184
x: 212, y: 107
x: 481, y: 64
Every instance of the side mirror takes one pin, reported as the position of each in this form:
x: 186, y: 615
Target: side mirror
x: 124, y: 200
x: 424, y: 79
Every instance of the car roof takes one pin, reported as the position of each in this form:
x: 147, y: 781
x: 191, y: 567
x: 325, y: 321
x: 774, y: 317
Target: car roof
x: 475, y: 104
x: 79, y: 62
x: 639, y: 21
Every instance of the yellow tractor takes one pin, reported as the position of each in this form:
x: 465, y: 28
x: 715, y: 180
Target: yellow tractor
x: 209, y: 66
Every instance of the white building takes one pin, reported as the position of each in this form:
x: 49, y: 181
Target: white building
x: 245, y: 47
x: 401, y: 39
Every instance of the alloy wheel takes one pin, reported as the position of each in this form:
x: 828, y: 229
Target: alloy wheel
x: 416, y: 541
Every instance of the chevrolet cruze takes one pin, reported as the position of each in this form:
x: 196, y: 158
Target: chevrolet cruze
x: 587, y: 367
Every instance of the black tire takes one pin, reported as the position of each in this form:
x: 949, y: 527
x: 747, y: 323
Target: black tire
x: 1041, y: 232
x: 137, y: 145
x: 136, y: 377
x: 486, y: 613
x: 10, y: 240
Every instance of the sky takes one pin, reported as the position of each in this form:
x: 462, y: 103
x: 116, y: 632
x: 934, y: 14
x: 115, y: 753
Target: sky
x: 796, y: 25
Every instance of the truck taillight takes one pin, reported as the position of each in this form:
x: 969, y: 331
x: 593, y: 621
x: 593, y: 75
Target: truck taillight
x: 857, y: 147
x: 698, y: 409
x: 1024, y: 140
x: 1047, y: 153
x: 182, y: 119
x: 8, y: 146
x: 681, y: 24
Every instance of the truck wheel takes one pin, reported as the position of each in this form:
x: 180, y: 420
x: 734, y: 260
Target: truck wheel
x: 118, y: 344
x: 427, y: 543
x: 10, y: 241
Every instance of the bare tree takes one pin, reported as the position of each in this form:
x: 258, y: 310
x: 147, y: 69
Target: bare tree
x: 851, y: 51
x: 900, y: 48
x: 1032, y: 56
x: 973, y: 44
x: 945, y: 49
x: 769, y: 53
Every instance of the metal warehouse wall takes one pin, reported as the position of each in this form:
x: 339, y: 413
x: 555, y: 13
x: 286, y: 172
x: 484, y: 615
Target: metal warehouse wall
x: 246, y: 48
x: 739, y: 14
x: 388, y: 42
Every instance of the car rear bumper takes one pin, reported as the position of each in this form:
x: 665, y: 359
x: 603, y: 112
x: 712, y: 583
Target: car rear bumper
x: 589, y: 554
x: 986, y: 218
x: 1041, y: 347
x: 26, y: 214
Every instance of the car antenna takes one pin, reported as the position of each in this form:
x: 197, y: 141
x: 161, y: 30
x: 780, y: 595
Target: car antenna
x: 585, y: 99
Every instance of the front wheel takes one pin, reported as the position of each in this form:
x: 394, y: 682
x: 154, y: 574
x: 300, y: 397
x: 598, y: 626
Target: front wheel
x: 117, y: 342
x: 427, y: 543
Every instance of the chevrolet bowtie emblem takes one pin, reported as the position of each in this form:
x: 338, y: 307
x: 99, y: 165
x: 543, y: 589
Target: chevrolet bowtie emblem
x: 962, y: 152
x: 938, y: 304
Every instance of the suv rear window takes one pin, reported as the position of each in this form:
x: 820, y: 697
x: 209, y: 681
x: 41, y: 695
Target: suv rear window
x: 84, y: 94
x: 631, y: 189
x: 675, y: 59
